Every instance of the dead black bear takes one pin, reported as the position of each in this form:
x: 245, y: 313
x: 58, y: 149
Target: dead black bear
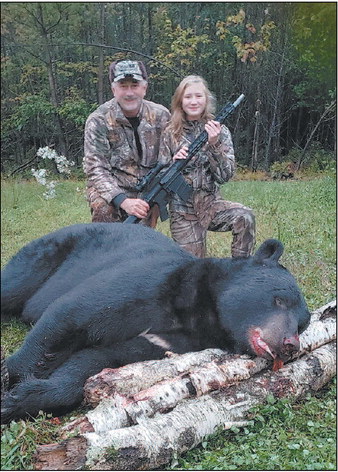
x: 105, y: 295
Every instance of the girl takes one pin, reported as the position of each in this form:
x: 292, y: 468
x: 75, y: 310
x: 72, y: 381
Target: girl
x: 212, y: 166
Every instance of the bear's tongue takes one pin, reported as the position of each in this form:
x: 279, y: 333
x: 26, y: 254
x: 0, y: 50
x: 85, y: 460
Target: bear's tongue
x: 261, y: 346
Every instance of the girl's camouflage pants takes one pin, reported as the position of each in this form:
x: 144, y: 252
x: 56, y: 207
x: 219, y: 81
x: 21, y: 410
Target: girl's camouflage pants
x: 209, y: 212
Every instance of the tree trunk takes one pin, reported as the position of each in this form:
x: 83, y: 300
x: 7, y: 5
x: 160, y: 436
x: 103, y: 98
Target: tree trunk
x: 101, y: 53
x: 308, y: 142
x: 101, y: 443
x: 275, y: 122
x: 256, y: 137
x: 298, y: 136
x: 150, y: 29
x: 50, y: 64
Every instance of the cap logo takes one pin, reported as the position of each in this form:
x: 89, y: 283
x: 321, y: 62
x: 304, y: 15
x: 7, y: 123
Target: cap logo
x: 125, y: 69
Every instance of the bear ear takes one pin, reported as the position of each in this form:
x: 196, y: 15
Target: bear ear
x: 269, y: 252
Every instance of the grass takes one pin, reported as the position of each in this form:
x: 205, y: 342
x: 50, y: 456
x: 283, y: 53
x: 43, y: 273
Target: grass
x: 26, y: 215
x: 19, y: 440
x: 302, y: 214
x: 283, y: 435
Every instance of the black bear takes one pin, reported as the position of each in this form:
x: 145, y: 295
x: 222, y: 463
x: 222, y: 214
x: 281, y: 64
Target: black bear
x: 107, y: 294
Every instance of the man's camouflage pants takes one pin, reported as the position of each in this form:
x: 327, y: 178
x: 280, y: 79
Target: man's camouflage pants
x: 212, y: 213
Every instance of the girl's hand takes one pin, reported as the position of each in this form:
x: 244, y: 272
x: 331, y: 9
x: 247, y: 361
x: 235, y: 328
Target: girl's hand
x: 181, y: 154
x: 213, y: 128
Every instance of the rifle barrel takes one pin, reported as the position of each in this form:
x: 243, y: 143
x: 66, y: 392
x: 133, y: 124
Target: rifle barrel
x: 238, y: 101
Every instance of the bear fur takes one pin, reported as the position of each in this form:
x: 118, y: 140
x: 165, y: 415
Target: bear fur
x: 106, y: 294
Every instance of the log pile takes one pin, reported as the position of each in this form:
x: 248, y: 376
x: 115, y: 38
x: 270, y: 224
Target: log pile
x: 147, y: 412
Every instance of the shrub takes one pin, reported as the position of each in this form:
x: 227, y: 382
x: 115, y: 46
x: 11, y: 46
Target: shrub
x: 282, y: 170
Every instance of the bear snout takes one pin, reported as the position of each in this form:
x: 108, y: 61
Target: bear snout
x: 272, y: 344
x: 290, y: 345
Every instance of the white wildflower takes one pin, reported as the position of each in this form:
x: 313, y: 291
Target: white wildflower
x: 46, y: 153
x: 50, y: 192
x: 62, y: 164
x: 40, y: 175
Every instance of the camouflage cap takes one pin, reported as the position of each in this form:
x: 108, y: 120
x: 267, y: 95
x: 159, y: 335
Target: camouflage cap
x: 124, y: 69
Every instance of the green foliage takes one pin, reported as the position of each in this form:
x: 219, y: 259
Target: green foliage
x: 178, y: 46
x: 278, y: 53
x: 29, y: 113
x: 280, y: 170
x: 236, y: 30
x: 317, y: 160
x: 314, y: 49
x: 75, y: 109
x: 76, y: 69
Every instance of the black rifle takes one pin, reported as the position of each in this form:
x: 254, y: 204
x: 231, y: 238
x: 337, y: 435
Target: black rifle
x: 158, y: 186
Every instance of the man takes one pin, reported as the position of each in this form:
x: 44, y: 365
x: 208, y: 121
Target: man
x: 121, y: 145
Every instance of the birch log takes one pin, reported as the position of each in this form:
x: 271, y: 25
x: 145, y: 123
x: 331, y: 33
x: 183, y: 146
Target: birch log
x: 155, y: 438
x: 118, y: 408
x: 131, y: 379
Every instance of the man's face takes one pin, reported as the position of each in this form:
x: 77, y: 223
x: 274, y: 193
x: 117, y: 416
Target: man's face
x: 129, y: 94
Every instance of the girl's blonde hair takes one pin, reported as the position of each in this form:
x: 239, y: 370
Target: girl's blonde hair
x: 178, y: 116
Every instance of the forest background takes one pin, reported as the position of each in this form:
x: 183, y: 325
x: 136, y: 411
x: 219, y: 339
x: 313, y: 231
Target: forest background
x: 281, y: 55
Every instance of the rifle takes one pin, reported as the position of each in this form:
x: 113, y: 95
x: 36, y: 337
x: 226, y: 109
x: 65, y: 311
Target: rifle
x: 158, y: 186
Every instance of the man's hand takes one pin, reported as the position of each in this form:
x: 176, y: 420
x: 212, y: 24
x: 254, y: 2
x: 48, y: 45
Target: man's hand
x: 135, y: 207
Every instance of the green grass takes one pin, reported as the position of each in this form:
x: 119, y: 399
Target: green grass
x: 302, y: 214
x: 19, y: 440
x: 282, y: 435
x: 26, y: 215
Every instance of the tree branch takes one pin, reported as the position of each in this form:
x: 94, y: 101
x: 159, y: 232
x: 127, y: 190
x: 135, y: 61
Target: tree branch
x: 151, y: 58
